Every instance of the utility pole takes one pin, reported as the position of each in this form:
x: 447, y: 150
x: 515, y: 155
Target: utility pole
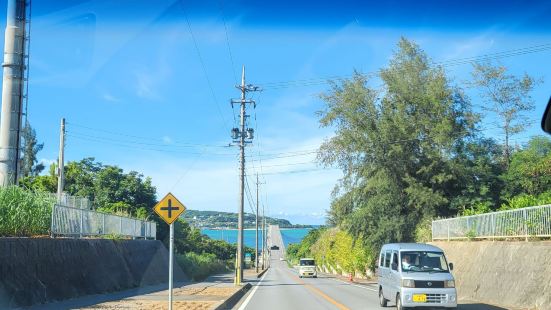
x: 12, y: 91
x: 61, y: 162
x: 256, y: 260
x: 256, y: 224
x: 243, y: 136
x: 263, y: 238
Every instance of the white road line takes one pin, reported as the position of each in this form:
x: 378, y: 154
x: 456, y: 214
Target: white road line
x: 246, y: 302
x: 356, y: 285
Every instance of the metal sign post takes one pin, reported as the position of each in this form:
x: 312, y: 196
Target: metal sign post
x: 169, y: 209
x: 170, y: 266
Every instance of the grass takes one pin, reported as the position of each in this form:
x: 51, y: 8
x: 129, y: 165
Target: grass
x: 199, y: 266
x: 24, y: 213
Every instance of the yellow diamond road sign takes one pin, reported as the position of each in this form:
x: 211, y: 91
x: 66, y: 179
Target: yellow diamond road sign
x: 169, y: 208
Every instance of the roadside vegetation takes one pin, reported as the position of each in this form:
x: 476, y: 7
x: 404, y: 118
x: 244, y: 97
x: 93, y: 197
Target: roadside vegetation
x: 200, y: 256
x: 24, y: 213
x: 414, y: 149
x: 333, y: 249
x: 199, y: 266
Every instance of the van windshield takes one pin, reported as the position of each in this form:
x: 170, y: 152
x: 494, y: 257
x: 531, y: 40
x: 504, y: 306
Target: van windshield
x: 307, y: 262
x: 421, y: 261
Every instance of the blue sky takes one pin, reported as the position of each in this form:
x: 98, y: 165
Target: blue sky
x: 140, y: 91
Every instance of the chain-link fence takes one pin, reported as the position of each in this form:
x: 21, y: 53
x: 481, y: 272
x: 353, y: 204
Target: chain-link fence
x: 74, y: 201
x: 71, y: 221
x: 519, y: 223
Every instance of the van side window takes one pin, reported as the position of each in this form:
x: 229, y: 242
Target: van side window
x: 395, y: 258
x: 387, y: 259
x: 382, y: 259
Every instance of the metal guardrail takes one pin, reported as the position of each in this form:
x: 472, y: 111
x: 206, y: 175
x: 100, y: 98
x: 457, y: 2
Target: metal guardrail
x: 73, y: 221
x: 518, y: 223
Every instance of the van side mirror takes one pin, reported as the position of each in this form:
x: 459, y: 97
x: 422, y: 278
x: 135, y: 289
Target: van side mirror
x: 451, y: 266
x: 546, y: 120
x: 394, y: 266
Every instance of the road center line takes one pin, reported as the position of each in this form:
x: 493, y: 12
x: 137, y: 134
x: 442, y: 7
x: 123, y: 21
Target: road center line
x: 319, y: 292
x: 246, y: 302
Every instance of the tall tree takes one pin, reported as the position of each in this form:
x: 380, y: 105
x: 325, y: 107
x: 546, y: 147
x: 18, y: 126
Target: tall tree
x: 395, y: 146
x: 30, y: 148
x: 506, y: 96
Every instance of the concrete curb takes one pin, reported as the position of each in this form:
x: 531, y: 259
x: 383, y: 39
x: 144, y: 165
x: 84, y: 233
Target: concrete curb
x: 262, y: 273
x: 233, y: 299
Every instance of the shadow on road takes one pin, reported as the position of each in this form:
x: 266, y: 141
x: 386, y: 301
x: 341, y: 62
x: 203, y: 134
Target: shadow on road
x: 478, y: 306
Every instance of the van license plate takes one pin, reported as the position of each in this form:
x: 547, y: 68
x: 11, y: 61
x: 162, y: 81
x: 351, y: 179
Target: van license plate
x: 419, y: 298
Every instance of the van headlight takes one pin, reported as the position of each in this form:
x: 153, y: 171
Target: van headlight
x: 408, y: 283
x: 449, y: 283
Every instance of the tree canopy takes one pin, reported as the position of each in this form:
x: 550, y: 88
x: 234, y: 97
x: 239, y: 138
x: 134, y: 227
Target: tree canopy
x: 409, y: 150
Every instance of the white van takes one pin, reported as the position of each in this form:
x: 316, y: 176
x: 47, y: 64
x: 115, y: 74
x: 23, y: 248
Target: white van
x: 307, y: 268
x: 415, y: 275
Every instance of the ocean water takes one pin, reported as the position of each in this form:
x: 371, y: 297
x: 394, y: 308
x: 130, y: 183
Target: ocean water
x: 291, y: 235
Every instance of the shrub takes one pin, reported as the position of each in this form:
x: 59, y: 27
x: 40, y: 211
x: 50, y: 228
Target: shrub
x: 471, y: 234
x: 24, y: 213
x: 526, y: 200
x: 423, y: 230
x: 478, y: 208
x: 200, y: 266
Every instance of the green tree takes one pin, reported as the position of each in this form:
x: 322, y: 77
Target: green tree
x: 42, y: 183
x: 507, y: 96
x: 395, y: 147
x: 530, y: 169
x: 30, y: 148
x: 478, y: 171
x: 80, y: 177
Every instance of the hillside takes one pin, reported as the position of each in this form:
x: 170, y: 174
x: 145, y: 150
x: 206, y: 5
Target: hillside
x: 217, y: 219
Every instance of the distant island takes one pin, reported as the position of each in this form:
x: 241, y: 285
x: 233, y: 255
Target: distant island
x: 217, y: 219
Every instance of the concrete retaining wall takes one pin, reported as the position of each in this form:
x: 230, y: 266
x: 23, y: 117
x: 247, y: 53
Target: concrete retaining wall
x: 36, y: 271
x: 507, y: 274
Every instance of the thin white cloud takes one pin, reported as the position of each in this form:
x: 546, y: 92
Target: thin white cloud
x: 145, y: 86
x: 47, y: 161
x: 167, y: 140
x: 110, y: 98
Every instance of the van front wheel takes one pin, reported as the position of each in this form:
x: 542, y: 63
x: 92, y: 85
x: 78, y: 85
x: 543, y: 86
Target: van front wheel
x: 399, y: 303
x: 382, y: 300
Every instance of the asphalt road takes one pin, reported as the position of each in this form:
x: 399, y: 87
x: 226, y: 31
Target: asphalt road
x: 281, y: 288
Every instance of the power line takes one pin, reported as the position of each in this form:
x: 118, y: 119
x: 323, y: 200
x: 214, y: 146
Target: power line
x: 285, y: 155
x: 168, y: 145
x: 447, y: 63
x: 290, y: 164
x: 195, y: 160
x: 300, y: 171
x: 138, y: 137
x: 132, y: 146
x: 205, y: 69
x: 228, y: 42
x: 249, y: 195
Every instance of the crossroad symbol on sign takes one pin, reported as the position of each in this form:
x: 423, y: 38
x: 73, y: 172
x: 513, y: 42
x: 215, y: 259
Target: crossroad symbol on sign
x: 169, y: 208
